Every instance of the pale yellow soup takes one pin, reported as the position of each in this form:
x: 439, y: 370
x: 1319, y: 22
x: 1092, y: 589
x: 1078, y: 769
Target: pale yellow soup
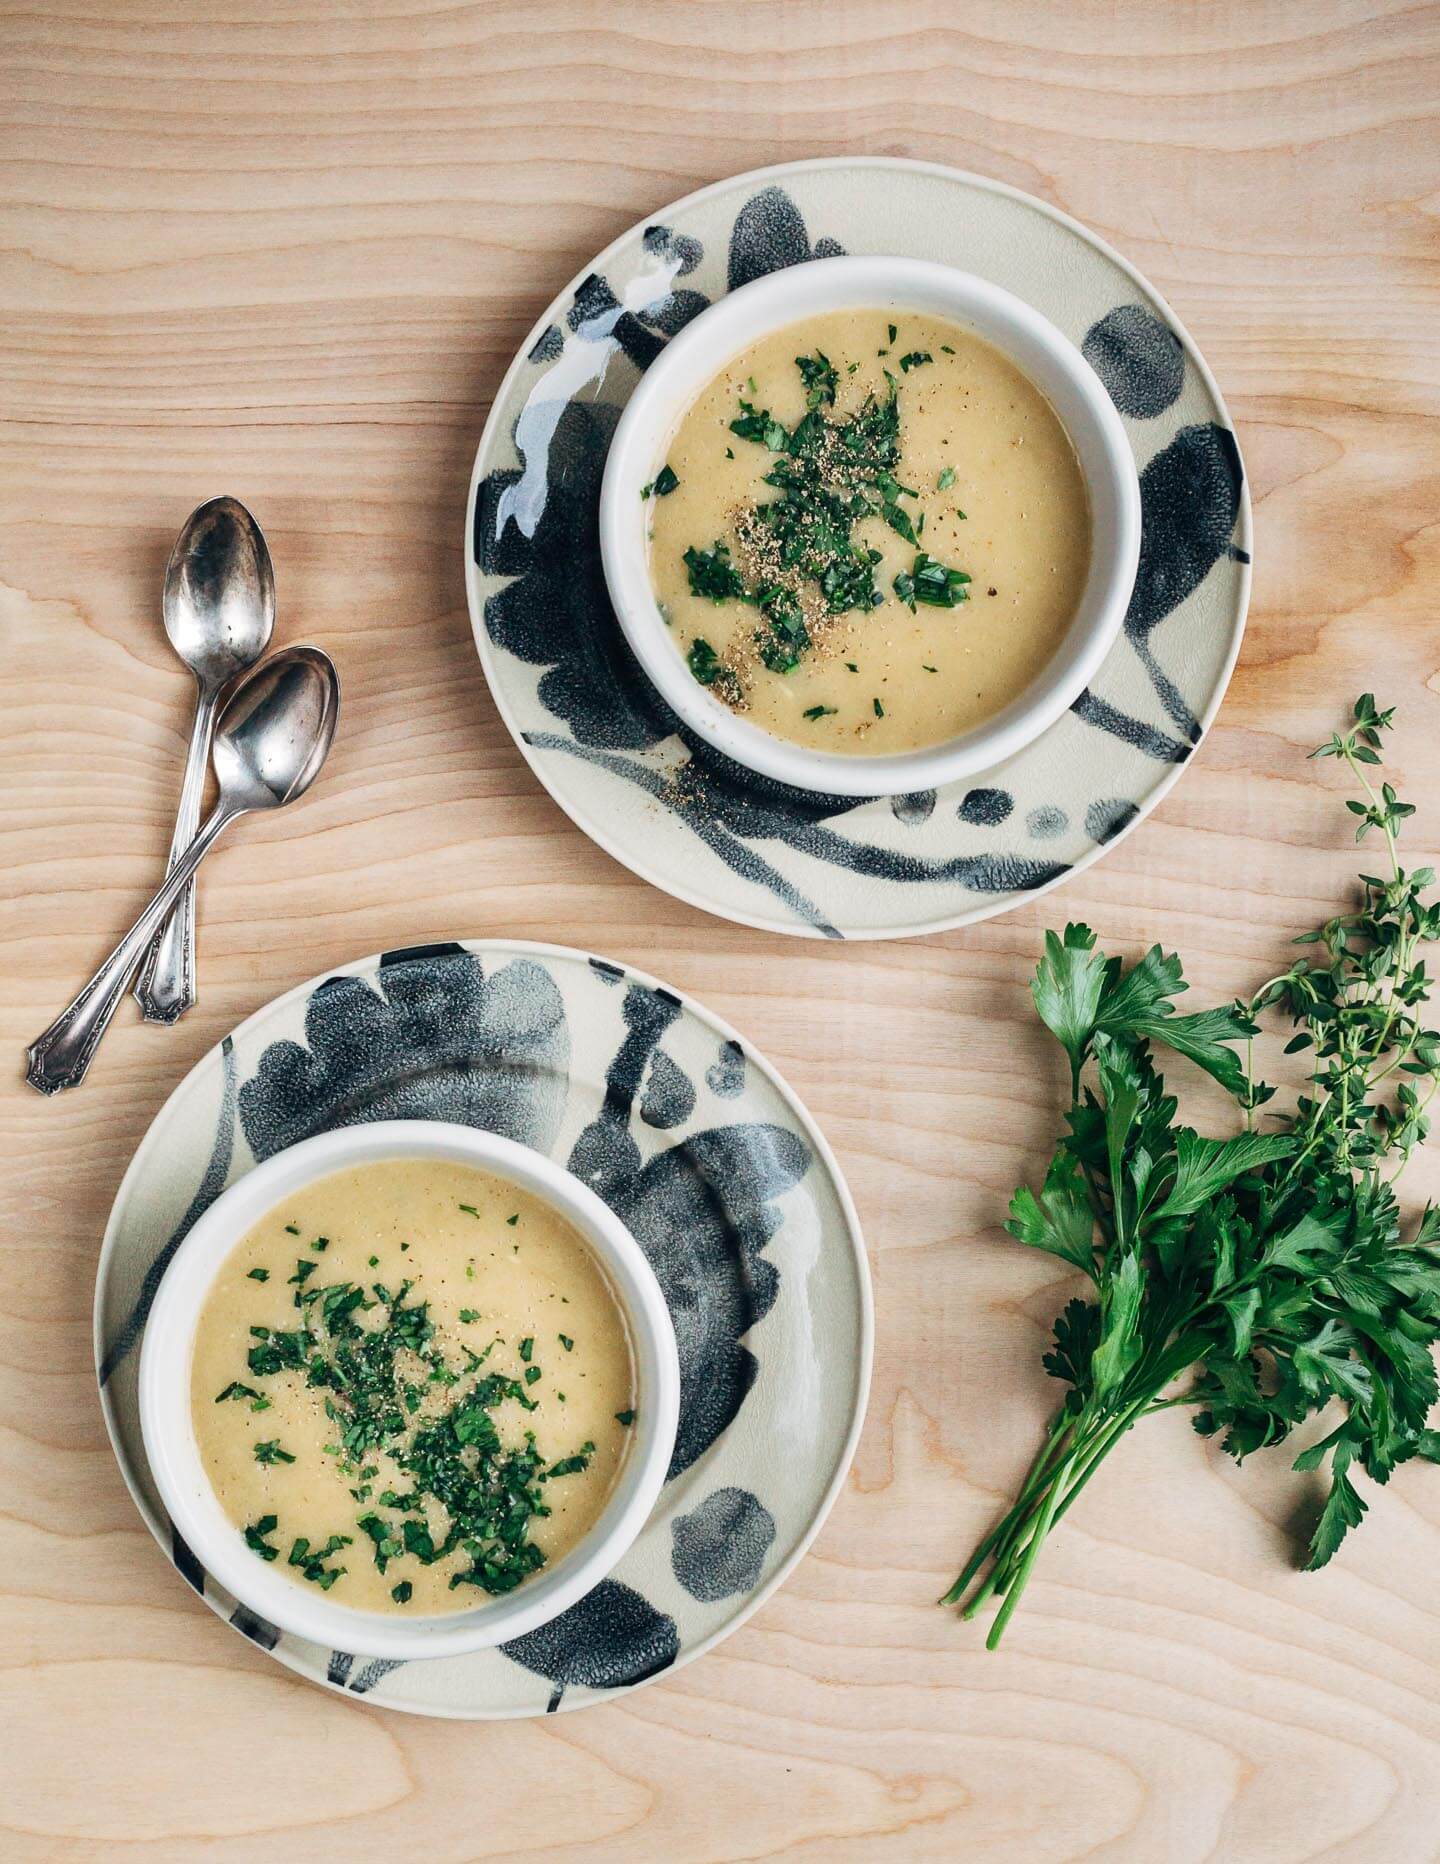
x: 392, y: 1404
x: 985, y: 464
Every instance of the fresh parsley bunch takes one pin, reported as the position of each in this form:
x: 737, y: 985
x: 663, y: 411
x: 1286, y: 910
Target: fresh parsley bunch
x: 1260, y: 1277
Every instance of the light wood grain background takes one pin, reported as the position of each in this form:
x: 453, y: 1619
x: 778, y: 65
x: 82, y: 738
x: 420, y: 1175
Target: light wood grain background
x: 286, y: 250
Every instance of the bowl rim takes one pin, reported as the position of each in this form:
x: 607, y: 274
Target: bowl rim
x: 770, y: 303
x: 166, y: 1357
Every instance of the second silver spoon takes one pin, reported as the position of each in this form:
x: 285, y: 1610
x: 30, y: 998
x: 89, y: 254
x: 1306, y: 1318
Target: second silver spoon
x: 273, y: 737
x: 219, y: 610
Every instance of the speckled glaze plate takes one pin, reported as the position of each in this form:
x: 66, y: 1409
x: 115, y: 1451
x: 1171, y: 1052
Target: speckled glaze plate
x: 598, y: 735
x: 699, y: 1147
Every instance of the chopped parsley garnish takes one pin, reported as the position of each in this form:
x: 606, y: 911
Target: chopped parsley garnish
x: 292, y: 1229
x: 470, y: 1210
x: 802, y: 559
x: 566, y: 1342
x: 468, y: 1315
x: 470, y: 1493
x: 259, y: 1275
x: 403, y: 1593
x: 879, y: 709
x: 760, y: 425
x: 946, y: 479
x: 713, y: 575
x: 513, y: 1220
x: 255, y: 1537
x: 304, y: 1269
x: 387, y: 1544
x: 706, y: 664
x: 278, y: 1352
x: 891, y: 333
x: 627, y: 1418
x: 572, y: 1465
x: 819, y: 375
x: 311, y: 1560
x: 819, y: 711
x: 913, y: 359
x: 527, y: 1347
x: 320, y: 1245
x: 665, y: 482
x: 852, y: 666
x: 932, y: 583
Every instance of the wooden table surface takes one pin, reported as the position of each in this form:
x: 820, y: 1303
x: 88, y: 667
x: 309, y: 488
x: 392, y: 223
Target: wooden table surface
x: 286, y: 251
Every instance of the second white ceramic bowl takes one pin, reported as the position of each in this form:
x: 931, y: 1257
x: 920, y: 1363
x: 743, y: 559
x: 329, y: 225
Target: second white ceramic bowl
x: 174, y: 1456
x: 690, y: 360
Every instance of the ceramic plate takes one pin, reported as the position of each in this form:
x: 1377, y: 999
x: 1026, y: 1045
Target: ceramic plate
x: 703, y: 1152
x: 597, y: 733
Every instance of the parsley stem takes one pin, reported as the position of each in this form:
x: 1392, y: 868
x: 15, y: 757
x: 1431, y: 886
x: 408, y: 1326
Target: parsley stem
x: 1060, y: 1430
x: 1016, y: 1589
x: 1014, y: 1545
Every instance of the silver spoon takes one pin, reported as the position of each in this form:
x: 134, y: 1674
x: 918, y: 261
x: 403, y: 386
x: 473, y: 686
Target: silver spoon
x: 219, y: 609
x: 270, y: 743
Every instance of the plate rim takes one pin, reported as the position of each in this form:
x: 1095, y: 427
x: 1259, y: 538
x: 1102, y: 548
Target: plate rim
x: 945, y: 922
x: 855, y: 1236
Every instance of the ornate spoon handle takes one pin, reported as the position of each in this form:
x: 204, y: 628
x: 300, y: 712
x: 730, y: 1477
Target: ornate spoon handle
x: 166, y: 986
x: 60, y: 1056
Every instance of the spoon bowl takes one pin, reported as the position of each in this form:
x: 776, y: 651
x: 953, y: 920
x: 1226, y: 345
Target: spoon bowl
x: 219, y: 599
x: 276, y: 729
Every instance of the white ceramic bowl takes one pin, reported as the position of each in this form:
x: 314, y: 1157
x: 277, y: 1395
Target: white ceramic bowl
x: 185, y: 1489
x: 691, y: 359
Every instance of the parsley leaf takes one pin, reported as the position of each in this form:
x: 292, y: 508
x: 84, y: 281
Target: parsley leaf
x: 819, y: 376
x: 255, y: 1537
x: 713, y: 575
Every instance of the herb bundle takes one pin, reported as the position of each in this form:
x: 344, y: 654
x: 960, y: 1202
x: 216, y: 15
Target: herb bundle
x: 1261, y: 1277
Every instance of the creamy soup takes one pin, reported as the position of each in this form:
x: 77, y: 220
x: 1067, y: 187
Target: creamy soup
x: 412, y: 1386
x: 870, y: 532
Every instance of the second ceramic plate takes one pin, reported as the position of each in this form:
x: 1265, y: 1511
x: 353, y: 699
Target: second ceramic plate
x: 593, y: 727
x: 703, y: 1153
